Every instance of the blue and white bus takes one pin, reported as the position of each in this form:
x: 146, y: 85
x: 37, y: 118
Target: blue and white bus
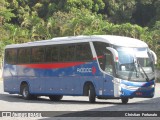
x: 97, y: 66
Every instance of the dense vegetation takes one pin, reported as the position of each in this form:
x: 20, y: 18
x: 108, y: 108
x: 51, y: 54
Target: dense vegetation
x: 30, y: 20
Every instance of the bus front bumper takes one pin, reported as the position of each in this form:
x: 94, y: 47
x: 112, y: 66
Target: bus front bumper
x: 137, y: 89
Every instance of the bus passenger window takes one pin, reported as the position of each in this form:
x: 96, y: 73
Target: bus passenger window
x: 24, y: 55
x: 37, y: 55
x: 67, y: 53
x: 51, y: 54
x: 83, y: 52
x: 11, y: 56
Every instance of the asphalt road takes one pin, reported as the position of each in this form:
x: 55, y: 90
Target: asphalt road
x: 76, y: 105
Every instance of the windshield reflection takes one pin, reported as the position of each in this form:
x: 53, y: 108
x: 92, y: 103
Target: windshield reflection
x: 135, y: 64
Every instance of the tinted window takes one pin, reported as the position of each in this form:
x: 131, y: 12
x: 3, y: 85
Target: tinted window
x: 108, y: 62
x: 11, y: 56
x: 67, y: 53
x: 51, y: 54
x: 83, y: 52
x: 24, y: 55
x: 37, y: 55
x: 100, y: 48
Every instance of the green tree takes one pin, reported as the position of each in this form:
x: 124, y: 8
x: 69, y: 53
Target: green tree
x: 93, y: 5
x: 144, y: 12
x: 156, y: 38
x: 119, y: 11
x: 5, y: 13
x: 5, y: 16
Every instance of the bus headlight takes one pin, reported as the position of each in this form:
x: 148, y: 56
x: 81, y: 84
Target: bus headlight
x: 152, y: 86
x: 129, y: 87
x: 123, y: 86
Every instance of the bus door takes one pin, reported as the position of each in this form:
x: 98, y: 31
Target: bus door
x: 110, y: 82
x: 108, y: 88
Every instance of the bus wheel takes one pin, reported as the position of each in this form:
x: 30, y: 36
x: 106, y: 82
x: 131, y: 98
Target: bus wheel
x: 92, y: 94
x: 55, y: 97
x: 25, y: 92
x: 124, y: 100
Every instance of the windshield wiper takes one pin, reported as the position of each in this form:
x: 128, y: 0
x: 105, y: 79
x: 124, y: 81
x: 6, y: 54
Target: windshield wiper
x: 147, y: 78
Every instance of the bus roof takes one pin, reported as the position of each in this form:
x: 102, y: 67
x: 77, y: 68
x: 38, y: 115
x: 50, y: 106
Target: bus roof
x: 111, y: 39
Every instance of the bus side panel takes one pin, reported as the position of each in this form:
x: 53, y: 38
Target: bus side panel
x: 10, y: 78
x: 70, y: 81
x: 67, y: 81
x: 32, y: 77
x: 108, y: 86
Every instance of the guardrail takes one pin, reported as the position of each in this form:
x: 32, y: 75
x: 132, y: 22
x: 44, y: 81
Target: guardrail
x: 157, y: 74
x: 0, y: 70
x: 0, y: 74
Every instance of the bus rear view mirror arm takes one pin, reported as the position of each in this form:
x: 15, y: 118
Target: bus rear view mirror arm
x: 114, y: 52
x: 154, y: 57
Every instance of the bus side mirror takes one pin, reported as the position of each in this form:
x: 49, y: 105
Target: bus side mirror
x: 154, y: 57
x: 114, y: 52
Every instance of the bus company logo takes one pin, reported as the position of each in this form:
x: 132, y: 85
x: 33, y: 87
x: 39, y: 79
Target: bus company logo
x: 93, y: 70
x: 87, y: 70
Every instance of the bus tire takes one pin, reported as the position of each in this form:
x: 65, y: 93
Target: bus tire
x: 55, y: 97
x: 25, y: 92
x: 124, y: 100
x: 92, y: 94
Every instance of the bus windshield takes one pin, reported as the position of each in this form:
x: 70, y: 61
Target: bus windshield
x: 135, y: 64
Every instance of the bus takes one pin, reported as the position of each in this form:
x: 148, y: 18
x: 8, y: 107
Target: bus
x: 97, y: 66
